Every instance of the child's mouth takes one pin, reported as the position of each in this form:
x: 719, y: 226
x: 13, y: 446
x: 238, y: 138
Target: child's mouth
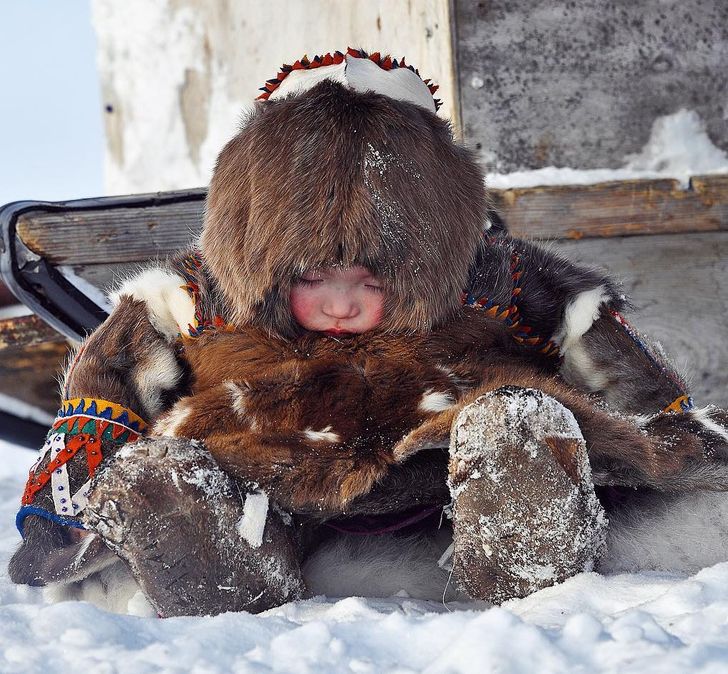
x: 336, y: 332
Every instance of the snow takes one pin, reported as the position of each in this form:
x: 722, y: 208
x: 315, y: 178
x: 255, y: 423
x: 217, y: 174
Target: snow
x: 252, y: 523
x: 647, y: 622
x: 678, y: 148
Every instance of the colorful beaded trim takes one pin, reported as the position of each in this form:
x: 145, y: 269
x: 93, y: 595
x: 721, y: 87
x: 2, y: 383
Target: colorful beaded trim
x: 384, y: 62
x: 102, y: 410
x: 510, y: 314
x: 191, y: 269
x: 81, y: 424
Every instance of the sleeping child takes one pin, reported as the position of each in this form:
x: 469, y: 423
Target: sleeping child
x: 352, y: 345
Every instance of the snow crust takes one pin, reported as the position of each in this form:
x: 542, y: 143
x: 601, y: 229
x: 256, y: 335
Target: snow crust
x: 646, y: 622
x: 678, y: 148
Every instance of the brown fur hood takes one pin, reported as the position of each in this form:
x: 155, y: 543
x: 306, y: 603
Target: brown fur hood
x: 335, y: 176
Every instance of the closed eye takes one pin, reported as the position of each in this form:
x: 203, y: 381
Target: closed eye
x: 307, y: 282
x: 377, y: 289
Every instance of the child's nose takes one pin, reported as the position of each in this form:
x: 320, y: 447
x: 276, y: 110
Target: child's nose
x: 340, y: 306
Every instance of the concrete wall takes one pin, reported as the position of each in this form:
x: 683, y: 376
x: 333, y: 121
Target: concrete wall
x: 579, y: 84
x: 176, y: 74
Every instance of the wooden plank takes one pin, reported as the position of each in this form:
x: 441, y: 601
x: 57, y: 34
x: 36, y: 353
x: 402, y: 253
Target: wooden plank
x: 107, y: 276
x: 616, y: 208
x: 679, y: 284
x: 26, y: 331
x: 121, y: 234
x: 31, y: 374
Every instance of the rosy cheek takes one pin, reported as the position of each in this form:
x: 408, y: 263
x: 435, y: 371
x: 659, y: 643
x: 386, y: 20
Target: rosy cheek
x: 302, y: 305
x: 376, y: 309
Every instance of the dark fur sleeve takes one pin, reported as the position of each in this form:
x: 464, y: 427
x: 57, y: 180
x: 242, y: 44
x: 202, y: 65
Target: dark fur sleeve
x: 571, y: 311
x: 548, y: 282
x: 125, y: 361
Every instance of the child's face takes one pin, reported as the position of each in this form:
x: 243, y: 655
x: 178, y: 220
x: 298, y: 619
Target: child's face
x: 338, y: 300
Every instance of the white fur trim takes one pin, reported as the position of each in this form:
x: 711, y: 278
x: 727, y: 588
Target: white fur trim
x: 112, y: 589
x: 436, y: 401
x: 382, y: 566
x: 577, y: 366
x: 701, y: 415
x: 579, y: 316
x: 324, y: 435
x: 252, y: 523
x: 170, y: 308
x: 682, y: 533
x: 159, y: 371
x: 168, y: 424
x: 361, y: 74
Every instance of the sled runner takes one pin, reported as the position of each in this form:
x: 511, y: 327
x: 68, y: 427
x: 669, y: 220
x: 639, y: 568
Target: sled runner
x: 669, y: 245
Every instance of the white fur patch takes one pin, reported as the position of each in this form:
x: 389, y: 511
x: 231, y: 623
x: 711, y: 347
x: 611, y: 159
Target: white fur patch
x: 680, y: 533
x: 382, y: 566
x: 578, y: 369
x: 252, y: 523
x: 577, y: 366
x: 159, y: 371
x: 170, y: 308
x: 112, y: 589
x: 361, y: 74
x: 436, y: 401
x: 702, y: 415
x: 238, y: 398
x: 168, y: 424
x: 324, y: 435
x: 579, y: 316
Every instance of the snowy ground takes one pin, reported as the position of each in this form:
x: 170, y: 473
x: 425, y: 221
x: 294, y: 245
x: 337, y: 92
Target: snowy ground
x: 626, y: 623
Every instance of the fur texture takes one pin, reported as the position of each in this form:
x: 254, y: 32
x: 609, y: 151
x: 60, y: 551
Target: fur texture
x: 333, y: 176
x: 317, y: 422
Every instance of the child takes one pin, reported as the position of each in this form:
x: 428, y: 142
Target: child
x: 347, y: 165
x: 317, y: 420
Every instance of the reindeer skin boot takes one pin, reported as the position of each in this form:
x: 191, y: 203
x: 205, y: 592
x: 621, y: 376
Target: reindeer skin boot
x: 524, y: 508
x: 167, y: 509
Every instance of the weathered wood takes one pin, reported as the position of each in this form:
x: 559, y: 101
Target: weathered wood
x: 616, y: 208
x: 107, y: 276
x: 26, y: 331
x: 31, y: 374
x: 679, y: 285
x: 123, y: 234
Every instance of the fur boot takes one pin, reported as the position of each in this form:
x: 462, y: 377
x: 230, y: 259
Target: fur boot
x: 525, y: 512
x: 194, y: 544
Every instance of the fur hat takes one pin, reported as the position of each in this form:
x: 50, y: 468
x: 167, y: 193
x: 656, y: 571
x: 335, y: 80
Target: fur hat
x: 333, y: 175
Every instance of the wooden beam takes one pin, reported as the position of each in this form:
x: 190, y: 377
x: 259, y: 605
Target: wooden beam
x: 623, y: 208
x: 120, y: 234
x: 26, y: 331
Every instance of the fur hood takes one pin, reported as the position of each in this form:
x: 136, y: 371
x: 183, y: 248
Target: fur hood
x: 336, y: 176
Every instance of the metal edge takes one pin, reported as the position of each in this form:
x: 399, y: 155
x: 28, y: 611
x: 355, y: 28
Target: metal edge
x: 12, y: 274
